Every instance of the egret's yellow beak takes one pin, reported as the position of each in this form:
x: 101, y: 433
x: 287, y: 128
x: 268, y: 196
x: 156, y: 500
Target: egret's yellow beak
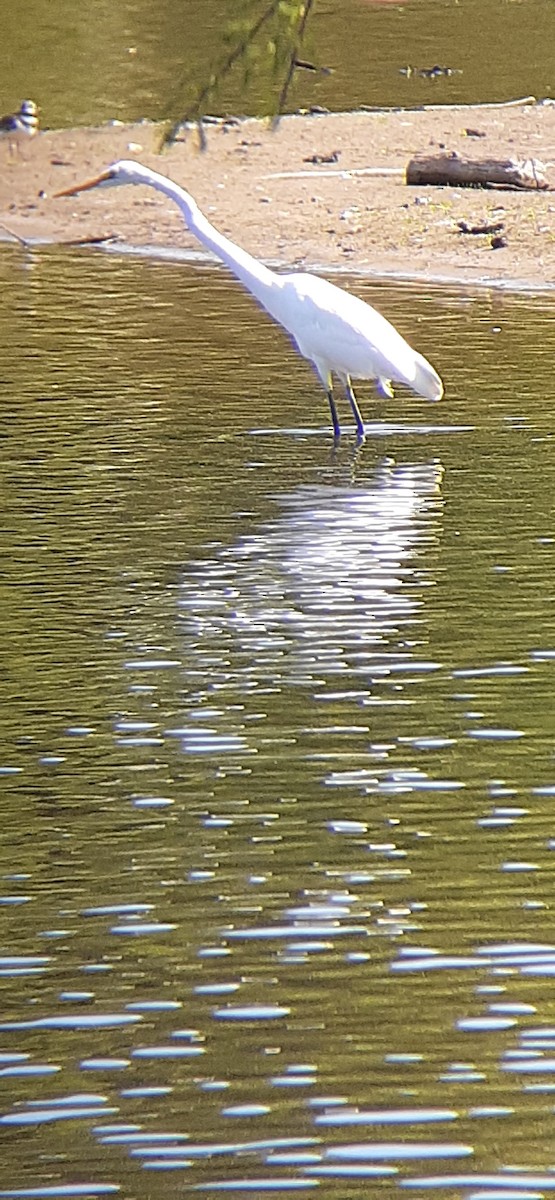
x: 84, y: 187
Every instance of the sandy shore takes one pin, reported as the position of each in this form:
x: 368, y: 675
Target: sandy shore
x: 260, y: 187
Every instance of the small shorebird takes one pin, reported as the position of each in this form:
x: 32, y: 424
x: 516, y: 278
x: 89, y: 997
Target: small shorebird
x: 16, y: 127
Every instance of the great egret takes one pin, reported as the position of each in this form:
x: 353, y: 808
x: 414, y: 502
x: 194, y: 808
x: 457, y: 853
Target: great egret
x: 339, y: 333
x: 17, y: 126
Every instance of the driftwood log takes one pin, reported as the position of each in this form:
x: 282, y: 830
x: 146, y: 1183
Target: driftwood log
x: 456, y: 171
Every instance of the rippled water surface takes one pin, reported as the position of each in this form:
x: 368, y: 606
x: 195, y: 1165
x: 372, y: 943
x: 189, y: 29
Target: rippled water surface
x: 86, y: 63
x: 277, y: 748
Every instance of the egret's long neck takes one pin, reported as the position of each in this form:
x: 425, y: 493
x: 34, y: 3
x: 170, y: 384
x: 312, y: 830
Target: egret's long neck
x: 252, y: 273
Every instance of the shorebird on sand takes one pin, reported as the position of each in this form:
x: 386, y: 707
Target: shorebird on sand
x: 16, y: 127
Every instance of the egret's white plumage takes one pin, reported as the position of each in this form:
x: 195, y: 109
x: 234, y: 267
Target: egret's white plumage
x: 339, y: 333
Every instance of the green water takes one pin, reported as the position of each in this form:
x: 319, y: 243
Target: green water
x: 85, y: 64
x: 275, y: 720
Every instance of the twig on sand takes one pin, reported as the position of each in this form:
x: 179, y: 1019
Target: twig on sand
x: 339, y: 174
x: 15, y: 236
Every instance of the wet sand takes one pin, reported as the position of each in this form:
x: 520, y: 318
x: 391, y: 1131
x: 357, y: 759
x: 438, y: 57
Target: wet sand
x: 261, y: 188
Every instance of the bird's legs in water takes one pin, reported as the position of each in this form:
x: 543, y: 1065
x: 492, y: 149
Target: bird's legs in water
x: 356, y: 410
x: 326, y: 377
x: 333, y: 411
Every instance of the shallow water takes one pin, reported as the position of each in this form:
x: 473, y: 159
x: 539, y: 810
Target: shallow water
x: 90, y: 63
x: 277, y: 747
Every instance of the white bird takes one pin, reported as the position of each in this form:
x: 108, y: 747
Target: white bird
x: 16, y: 127
x: 339, y: 333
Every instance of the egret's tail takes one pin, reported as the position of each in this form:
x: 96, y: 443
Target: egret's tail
x: 427, y: 381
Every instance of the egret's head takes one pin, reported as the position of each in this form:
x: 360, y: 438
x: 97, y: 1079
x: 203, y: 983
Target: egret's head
x: 124, y: 171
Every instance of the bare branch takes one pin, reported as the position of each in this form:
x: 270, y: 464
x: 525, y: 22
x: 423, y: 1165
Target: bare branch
x: 305, y: 13
x: 195, y: 112
x: 283, y: 42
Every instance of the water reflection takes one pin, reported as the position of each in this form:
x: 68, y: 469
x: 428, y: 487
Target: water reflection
x: 273, y: 916
x: 329, y: 589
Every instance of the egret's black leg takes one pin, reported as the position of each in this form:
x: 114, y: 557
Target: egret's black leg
x: 356, y: 410
x: 334, y: 416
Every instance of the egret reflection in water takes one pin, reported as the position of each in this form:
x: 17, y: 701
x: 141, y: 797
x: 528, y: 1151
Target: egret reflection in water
x: 327, y: 586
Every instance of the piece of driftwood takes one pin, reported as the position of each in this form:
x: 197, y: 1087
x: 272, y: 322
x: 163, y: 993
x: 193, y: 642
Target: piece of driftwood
x: 461, y: 108
x: 456, y: 171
